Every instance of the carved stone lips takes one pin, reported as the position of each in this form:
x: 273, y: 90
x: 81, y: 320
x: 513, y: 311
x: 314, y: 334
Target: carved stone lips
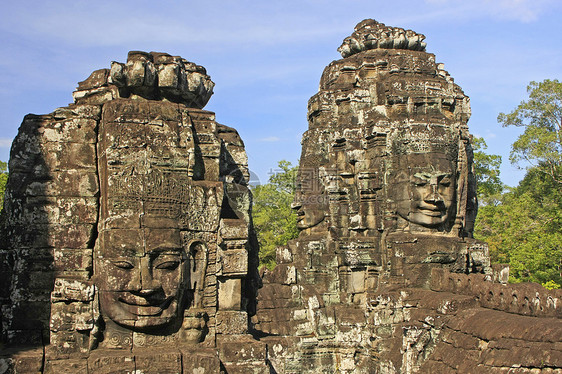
x: 432, y: 211
x: 141, y: 306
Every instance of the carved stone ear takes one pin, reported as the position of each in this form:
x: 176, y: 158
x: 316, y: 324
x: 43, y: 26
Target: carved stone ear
x: 198, y: 258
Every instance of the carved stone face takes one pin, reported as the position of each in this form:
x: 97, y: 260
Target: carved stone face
x: 424, y: 189
x: 142, y: 277
x: 310, y: 202
x: 311, y: 210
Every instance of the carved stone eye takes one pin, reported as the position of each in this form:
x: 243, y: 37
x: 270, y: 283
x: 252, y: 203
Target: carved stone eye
x: 123, y: 265
x: 446, y: 182
x: 168, y: 265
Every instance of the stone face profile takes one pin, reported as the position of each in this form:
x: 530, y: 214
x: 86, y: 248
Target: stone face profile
x: 127, y: 245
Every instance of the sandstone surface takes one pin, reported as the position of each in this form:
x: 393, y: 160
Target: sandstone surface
x: 385, y: 276
x: 127, y: 245
x: 127, y: 242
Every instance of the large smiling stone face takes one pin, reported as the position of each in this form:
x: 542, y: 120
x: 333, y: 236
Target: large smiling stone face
x: 425, y: 189
x: 143, y: 276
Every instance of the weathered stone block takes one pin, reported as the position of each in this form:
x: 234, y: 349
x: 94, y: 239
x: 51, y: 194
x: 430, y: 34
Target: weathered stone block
x: 233, y: 229
x: 58, y: 236
x: 68, y: 342
x: 212, y: 168
x: 70, y: 156
x: 284, y: 274
x: 71, y: 316
x: 283, y: 255
x: 111, y: 361
x: 21, y: 361
x: 230, y: 294
x: 203, y: 121
x: 72, y: 262
x: 233, y: 262
x: 67, y: 290
x: 65, y: 183
x: 500, y: 273
x: 139, y: 111
x: 156, y: 361
x: 98, y: 78
x: 30, y: 315
x: 200, y: 361
x: 77, y: 129
x: 7, y: 261
x: 66, y: 366
x: 95, y: 96
x: 238, y: 349
x: 26, y: 337
x: 78, y: 111
x: 231, y: 322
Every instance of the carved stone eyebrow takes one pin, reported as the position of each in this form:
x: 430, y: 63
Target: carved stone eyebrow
x: 165, y: 249
x: 428, y: 175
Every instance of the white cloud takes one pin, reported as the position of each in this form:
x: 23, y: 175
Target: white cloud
x: 5, y: 143
x: 214, y: 23
x: 521, y: 10
x: 270, y: 139
x: 517, y: 10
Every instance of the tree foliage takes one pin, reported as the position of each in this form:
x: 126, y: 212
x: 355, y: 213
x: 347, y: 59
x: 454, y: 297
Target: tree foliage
x: 3, y: 181
x: 540, y: 145
x: 274, y: 220
x: 524, y: 227
x: 525, y: 230
x: 487, y: 172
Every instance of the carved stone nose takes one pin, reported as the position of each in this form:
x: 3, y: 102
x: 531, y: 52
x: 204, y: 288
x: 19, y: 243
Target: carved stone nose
x: 148, y: 283
x: 433, y: 196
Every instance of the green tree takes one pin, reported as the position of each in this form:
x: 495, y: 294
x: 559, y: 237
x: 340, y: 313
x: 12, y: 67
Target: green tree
x: 540, y: 145
x: 524, y: 227
x: 525, y: 230
x: 3, y: 180
x: 487, y: 173
x: 274, y: 220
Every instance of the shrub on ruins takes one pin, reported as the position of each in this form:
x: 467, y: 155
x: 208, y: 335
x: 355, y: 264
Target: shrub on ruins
x: 3, y: 181
x: 274, y: 220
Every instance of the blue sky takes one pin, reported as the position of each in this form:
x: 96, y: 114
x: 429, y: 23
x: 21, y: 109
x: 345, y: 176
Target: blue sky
x: 266, y: 57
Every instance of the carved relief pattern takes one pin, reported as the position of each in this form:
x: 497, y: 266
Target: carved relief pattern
x: 126, y: 190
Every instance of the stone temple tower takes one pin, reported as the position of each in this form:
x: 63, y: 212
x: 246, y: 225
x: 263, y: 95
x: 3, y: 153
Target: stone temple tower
x: 127, y: 242
x: 386, y: 204
x: 127, y: 245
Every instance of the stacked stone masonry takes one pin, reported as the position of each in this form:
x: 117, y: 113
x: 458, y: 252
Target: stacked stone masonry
x: 127, y: 242
x: 385, y: 276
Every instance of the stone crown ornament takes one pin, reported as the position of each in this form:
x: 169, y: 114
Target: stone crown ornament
x: 153, y: 76
x: 370, y: 34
